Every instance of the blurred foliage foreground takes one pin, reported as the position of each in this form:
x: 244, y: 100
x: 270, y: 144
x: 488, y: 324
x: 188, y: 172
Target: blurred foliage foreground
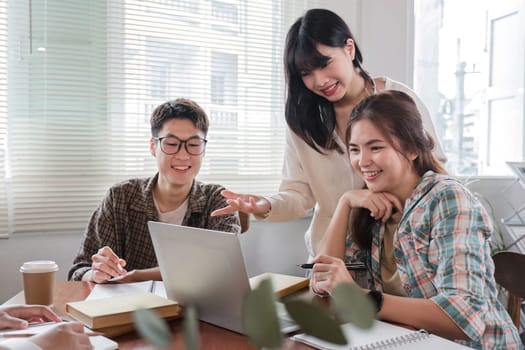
x: 261, y: 323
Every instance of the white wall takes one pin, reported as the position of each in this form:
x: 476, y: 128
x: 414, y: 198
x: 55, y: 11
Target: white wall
x: 15, y: 250
x: 384, y: 30
x: 387, y: 38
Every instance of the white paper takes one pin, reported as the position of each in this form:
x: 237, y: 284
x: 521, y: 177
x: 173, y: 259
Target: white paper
x: 159, y: 289
x: 356, y: 336
x: 116, y: 289
x: 382, y: 335
x: 99, y: 342
x: 102, y: 343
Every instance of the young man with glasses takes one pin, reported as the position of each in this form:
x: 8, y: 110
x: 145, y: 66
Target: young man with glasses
x: 116, y: 243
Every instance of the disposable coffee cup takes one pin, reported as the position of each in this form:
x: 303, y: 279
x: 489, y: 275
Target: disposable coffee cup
x: 39, y: 281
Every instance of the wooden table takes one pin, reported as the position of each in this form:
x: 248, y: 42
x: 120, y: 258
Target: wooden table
x: 212, y: 337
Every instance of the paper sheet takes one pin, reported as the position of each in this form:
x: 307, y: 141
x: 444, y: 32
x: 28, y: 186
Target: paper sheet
x: 115, y: 289
x: 99, y: 342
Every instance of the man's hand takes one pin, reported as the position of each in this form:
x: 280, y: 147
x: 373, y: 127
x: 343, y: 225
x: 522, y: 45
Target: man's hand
x: 105, y: 265
x: 138, y: 276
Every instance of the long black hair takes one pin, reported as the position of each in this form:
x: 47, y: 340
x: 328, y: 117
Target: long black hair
x: 310, y: 116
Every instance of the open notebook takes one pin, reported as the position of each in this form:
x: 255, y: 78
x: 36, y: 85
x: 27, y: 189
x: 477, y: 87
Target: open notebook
x: 382, y: 336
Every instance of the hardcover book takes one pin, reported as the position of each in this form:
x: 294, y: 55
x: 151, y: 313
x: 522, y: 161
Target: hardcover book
x: 116, y: 311
x: 282, y: 284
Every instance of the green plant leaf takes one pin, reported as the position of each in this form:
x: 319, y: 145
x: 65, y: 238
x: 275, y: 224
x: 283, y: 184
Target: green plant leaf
x: 191, y: 328
x: 315, y: 320
x: 260, y: 320
x: 152, y: 328
x: 351, y: 304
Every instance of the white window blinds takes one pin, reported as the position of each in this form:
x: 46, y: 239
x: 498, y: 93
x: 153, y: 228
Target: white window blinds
x: 84, y: 77
x: 3, y: 119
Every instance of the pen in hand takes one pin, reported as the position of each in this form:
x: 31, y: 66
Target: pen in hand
x: 350, y: 266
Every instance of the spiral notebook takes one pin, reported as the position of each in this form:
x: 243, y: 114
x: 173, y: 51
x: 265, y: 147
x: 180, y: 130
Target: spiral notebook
x: 382, y: 336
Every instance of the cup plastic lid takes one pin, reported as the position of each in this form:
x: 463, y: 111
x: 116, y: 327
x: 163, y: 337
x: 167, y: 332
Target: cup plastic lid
x: 39, y: 266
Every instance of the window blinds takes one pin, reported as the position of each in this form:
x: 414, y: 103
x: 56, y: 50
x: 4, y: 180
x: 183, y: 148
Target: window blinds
x: 84, y: 77
x: 3, y: 119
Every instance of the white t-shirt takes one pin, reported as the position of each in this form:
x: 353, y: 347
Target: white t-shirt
x: 172, y: 217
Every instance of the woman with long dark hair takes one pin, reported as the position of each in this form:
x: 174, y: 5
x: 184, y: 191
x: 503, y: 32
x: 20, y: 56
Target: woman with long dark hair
x: 429, y: 263
x: 325, y: 80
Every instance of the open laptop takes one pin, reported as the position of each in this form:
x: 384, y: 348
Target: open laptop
x: 205, y: 268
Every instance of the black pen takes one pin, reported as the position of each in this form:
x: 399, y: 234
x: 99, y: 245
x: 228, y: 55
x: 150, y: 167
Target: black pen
x: 350, y: 266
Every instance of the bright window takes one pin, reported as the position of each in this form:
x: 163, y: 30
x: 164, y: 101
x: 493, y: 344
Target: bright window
x: 469, y: 69
x: 84, y: 77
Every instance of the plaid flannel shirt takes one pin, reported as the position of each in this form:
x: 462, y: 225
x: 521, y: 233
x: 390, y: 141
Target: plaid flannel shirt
x: 442, y: 253
x: 120, y: 222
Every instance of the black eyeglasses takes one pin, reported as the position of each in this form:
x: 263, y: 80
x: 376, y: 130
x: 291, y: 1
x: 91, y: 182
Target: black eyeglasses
x: 171, y: 144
